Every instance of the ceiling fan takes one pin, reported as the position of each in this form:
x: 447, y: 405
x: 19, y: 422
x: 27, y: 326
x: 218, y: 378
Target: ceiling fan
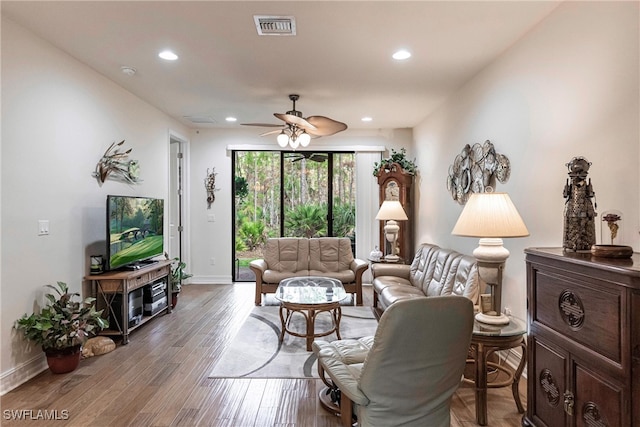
x: 297, y: 130
x: 309, y: 155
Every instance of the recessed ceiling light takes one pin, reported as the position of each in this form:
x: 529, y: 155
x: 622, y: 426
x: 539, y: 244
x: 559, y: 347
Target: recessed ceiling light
x: 168, y: 55
x: 231, y: 119
x: 366, y: 119
x: 402, y: 55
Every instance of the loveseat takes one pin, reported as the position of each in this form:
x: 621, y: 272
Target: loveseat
x: 434, y: 271
x: 286, y: 257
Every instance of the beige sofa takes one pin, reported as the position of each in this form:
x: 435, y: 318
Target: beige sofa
x: 286, y: 257
x: 434, y: 272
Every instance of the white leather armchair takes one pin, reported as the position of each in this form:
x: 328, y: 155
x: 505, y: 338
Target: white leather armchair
x: 407, y: 375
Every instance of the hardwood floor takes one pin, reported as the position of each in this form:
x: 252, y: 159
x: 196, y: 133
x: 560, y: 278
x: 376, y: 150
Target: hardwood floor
x: 160, y: 379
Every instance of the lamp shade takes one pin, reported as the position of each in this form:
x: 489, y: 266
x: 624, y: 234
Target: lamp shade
x: 490, y: 215
x: 391, y: 210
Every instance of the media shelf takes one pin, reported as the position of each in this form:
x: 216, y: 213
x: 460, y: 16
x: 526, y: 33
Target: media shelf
x: 120, y: 294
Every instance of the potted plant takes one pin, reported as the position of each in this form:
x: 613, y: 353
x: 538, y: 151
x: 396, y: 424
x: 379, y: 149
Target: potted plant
x: 177, y: 276
x: 399, y: 157
x: 62, y: 326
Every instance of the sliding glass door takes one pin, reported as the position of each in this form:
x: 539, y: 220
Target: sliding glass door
x: 297, y: 194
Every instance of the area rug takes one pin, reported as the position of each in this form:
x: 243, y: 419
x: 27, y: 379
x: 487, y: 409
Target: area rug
x: 256, y: 351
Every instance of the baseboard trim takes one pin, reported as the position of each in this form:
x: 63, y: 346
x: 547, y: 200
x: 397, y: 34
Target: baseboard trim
x: 211, y: 280
x: 22, y: 373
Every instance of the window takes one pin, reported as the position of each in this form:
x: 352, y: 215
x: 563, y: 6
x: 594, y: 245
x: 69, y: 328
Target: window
x: 297, y: 194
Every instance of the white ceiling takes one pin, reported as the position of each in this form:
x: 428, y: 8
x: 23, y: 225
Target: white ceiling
x: 339, y: 61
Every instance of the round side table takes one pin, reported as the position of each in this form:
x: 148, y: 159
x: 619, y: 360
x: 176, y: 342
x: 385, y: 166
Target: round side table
x: 485, y: 340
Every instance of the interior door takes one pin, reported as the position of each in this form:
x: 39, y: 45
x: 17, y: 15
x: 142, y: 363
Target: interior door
x: 176, y: 227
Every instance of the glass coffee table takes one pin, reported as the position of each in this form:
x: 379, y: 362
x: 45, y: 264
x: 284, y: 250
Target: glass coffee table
x: 310, y: 295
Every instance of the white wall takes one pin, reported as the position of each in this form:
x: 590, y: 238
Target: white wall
x: 58, y: 118
x: 208, y: 149
x: 569, y: 88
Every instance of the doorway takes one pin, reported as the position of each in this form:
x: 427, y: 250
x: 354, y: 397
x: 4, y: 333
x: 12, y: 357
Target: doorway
x: 177, y: 245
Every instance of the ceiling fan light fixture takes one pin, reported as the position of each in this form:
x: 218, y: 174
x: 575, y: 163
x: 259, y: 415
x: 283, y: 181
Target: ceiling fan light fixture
x: 297, y: 130
x: 304, y: 139
x: 283, y: 139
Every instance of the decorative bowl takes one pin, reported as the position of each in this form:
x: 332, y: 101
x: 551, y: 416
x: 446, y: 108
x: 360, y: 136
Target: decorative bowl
x: 612, y: 251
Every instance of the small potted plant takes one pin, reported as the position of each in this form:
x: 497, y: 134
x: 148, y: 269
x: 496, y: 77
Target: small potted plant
x: 62, y: 326
x: 399, y: 157
x: 177, y: 276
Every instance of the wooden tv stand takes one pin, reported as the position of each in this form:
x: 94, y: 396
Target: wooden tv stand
x: 118, y: 284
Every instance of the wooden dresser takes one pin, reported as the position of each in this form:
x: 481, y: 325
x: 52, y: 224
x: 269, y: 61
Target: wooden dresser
x: 583, y: 364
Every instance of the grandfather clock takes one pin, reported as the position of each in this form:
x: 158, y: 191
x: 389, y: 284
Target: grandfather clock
x: 396, y: 184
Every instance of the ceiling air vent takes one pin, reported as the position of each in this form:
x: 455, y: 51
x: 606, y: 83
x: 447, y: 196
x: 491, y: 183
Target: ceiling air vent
x: 275, y: 25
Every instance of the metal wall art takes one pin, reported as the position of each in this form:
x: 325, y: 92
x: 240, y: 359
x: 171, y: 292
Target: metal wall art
x: 210, y: 186
x: 115, y: 165
x: 579, y: 213
x: 475, y: 169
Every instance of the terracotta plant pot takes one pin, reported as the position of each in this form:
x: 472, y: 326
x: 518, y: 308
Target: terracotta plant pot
x: 64, y: 360
x: 174, y: 299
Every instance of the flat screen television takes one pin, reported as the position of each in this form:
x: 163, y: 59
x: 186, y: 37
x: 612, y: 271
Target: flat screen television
x: 134, y: 231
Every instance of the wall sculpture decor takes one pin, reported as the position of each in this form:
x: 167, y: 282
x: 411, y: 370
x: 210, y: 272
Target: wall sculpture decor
x: 475, y: 169
x: 115, y: 165
x: 579, y: 212
x: 210, y: 186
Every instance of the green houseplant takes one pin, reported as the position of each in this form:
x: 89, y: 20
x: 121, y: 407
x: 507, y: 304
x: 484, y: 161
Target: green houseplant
x: 62, y: 326
x: 399, y: 157
x: 177, y: 276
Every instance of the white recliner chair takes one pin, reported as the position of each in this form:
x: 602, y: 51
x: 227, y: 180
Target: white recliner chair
x: 408, y: 373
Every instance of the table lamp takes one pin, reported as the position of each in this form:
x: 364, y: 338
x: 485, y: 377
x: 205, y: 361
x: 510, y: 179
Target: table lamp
x: 391, y: 211
x: 491, y: 216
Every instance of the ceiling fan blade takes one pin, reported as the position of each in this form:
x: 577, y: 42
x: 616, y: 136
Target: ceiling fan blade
x: 271, y: 132
x: 317, y: 157
x: 295, y: 120
x: 264, y: 125
x: 325, y: 126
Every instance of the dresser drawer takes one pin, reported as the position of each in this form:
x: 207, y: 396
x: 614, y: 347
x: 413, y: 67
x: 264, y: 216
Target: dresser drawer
x: 139, y: 281
x: 164, y: 271
x: 582, y: 312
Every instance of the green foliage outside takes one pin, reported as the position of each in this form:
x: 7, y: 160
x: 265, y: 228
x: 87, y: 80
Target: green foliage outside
x: 252, y: 234
x: 306, y: 221
x: 242, y: 188
x: 344, y: 219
